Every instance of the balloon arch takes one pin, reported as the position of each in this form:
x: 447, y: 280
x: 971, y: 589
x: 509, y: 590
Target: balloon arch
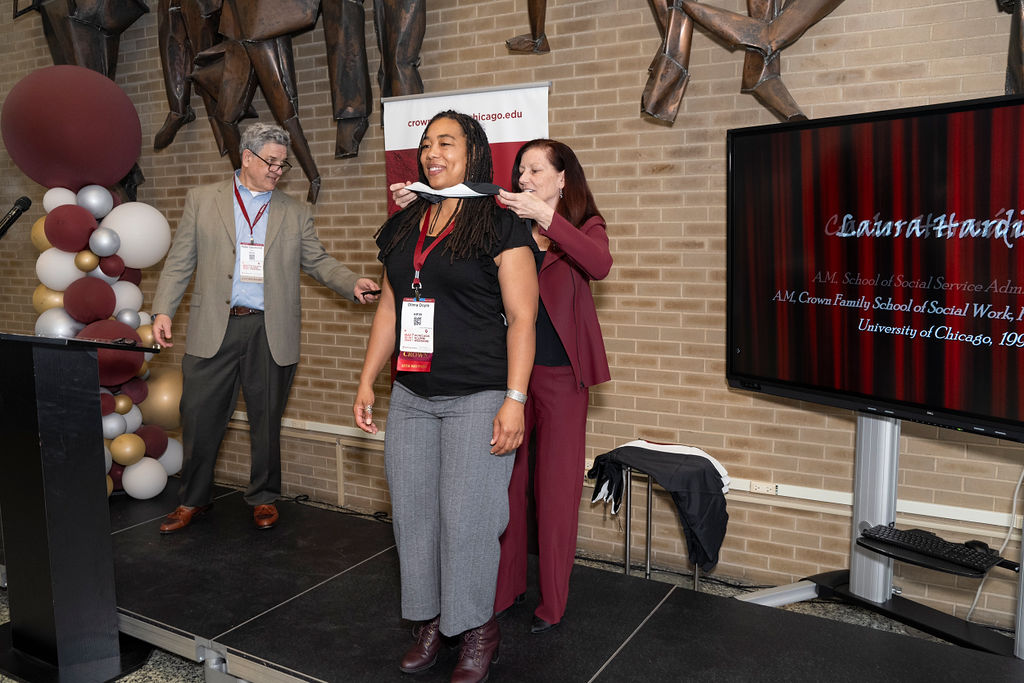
x: 74, y: 131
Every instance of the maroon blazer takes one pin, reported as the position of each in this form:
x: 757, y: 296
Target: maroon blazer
x: 575, y: 257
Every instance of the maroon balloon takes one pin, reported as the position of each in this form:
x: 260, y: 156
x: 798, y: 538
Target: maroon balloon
x: 89, y: 299
x: 136, y: 389
x: 132, y: 275
x: 68, y: 227
x: 112, y: 266
x: 68, y: 126
x: 116, y: 471
x: 116, y: 366
x: 155, y: 438
x: 106, y: 404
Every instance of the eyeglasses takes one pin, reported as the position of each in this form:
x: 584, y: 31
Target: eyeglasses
x: 282, y: 167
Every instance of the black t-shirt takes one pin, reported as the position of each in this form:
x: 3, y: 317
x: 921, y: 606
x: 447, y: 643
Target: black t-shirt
x: 469, y: 322
x: 550, y: 350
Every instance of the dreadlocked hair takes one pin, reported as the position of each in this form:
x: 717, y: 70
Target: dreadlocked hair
x: 474, y: 232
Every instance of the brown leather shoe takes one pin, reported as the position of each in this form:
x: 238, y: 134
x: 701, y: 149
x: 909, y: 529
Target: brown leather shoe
x: 182, y: 517
x: 265, y: 516
x: 479, y: 651
x: 423, y: 653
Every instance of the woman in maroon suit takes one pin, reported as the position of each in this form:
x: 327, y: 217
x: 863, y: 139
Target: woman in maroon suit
x: 551, y: 189
x: 571, y: 249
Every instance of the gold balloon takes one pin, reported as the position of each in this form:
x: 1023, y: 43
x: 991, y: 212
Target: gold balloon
x: 38, y: 235
x: 122, y: 404
x: 146, y: 333
x: 86, y: 261
x: 110, y: 486
x: 143, y: 370
x: 127, y: 449
x: 44, y: 298
x: 161, y: 405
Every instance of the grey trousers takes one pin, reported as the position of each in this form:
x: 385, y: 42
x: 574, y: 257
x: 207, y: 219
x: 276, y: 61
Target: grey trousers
x: 449, y: 500
x: 208, y: 398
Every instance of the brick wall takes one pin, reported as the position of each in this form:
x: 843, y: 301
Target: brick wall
x: 662, y: 190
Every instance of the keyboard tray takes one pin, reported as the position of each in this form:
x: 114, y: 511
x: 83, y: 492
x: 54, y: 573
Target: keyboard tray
x: 916, y: 558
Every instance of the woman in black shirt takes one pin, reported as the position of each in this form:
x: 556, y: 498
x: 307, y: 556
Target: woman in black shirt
x: 457, y: 311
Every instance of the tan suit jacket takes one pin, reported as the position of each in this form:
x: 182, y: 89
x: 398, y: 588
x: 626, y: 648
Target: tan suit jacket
x: 204, y: 244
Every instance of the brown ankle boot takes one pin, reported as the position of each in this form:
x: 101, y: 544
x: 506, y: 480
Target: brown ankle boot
x: 479, y: 651
x: 423, y: 653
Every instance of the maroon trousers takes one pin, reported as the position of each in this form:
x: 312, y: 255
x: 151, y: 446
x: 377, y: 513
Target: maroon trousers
x: 556, y: 414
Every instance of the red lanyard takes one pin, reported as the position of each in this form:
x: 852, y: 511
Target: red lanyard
x: 419, y: 254
x: 245, y: 214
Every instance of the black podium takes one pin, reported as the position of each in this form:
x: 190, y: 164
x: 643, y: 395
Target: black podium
x: 56, y: 523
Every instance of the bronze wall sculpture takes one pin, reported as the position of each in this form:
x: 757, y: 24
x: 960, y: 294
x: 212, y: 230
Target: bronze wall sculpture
x: 87, y: 32
x: 669, y: 72
x: 771, y: 26
x: 229, y: 47
x: 536, y: 41
x: 185, y: 28
x: 400, y: 25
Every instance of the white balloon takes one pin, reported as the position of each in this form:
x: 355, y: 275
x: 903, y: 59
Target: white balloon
x: 144, y: 232
x: 58, y: 196
x: 56, y: 322
x: 113, y: 425
x: 108, y: 459
x: 132, y: 419
x: 98, y: 273
x: 144, y: 479
x: 127, y: 296
x: 172, y: 457
x: 56, y: 269
x: 147, y: 356
x: 95, y: 199
x: 145, y: 318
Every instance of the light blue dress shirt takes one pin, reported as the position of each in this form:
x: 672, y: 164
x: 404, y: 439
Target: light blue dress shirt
x: 248, y: 293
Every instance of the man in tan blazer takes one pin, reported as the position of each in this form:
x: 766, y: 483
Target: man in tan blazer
x: 246, y: 243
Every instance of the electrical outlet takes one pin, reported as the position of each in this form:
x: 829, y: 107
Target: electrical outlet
x: 764, y: 487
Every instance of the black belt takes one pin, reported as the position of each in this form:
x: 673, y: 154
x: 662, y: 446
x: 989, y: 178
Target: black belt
x: 245, y: 310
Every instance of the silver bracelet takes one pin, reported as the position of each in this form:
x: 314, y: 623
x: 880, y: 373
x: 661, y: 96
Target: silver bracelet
x: 515, y: 395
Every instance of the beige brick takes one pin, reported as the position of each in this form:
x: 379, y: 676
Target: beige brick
x: 662, y: 188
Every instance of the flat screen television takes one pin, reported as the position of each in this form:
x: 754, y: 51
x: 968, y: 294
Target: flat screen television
x: 876, y: 262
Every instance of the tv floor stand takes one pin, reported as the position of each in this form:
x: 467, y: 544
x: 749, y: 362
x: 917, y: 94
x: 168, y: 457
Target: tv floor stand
x: 868, y: 582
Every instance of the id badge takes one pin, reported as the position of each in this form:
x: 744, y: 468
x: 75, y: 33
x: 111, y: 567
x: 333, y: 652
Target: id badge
x: 251, y: 262
x: 416, y: 345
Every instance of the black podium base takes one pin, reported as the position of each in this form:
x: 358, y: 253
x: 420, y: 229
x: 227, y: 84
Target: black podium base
x: 21, y: 667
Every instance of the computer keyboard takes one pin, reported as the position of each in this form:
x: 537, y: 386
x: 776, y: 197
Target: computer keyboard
x: 927, y: 543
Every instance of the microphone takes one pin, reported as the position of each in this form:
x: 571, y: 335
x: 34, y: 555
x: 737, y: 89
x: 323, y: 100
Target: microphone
x: 21, y: 205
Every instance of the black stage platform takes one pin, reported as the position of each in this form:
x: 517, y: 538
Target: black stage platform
x: 317, y: 599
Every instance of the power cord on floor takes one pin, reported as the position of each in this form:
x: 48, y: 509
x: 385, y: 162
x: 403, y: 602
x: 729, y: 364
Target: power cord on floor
x: 379, y: 515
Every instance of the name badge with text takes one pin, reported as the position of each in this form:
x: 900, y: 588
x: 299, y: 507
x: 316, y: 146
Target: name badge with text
x: 250, y: 264
x: 416, y: 345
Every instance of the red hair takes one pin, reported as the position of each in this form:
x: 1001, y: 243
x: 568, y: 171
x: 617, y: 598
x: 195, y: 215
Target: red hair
x: 577, y: 203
